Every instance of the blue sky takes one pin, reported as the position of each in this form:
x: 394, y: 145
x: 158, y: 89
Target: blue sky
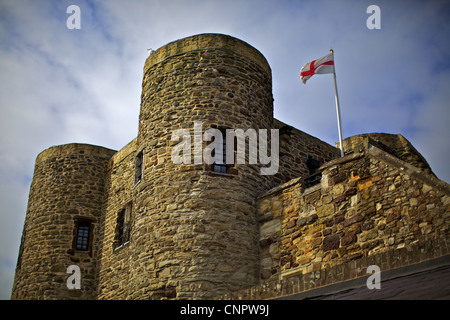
x: 61, y: 86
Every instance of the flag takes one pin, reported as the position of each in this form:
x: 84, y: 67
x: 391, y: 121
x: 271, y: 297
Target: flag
x: 319, y: 66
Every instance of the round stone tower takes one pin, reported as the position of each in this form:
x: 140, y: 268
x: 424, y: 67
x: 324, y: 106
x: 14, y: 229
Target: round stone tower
x: 195, y: 233
x: 62, y: 223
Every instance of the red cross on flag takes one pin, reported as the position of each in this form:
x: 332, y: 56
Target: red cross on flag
x: 319, y: 66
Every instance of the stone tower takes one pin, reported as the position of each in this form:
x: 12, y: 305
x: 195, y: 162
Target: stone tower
x: 66, y: 196
x: 194, y: 224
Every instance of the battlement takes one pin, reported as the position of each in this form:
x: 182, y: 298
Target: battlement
x: 395, y: 144
x: 207, y: 41
x: 371, y: 208
x: 74, y: 149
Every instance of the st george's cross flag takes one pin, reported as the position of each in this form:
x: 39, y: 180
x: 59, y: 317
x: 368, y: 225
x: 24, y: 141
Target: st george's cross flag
x: 319, y: 66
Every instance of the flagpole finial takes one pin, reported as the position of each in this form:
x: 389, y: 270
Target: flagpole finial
x: 331, y: 50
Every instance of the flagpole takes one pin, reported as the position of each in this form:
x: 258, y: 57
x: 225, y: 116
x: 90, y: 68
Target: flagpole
x: 337, y: 107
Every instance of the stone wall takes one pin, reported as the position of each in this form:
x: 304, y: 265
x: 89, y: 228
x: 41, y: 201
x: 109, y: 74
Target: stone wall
x: 114, y: 261
x: 368, y: 203
x: 295, y: 148
x: 68, y: 186
x: 297, y: 285
x: 395, y: 144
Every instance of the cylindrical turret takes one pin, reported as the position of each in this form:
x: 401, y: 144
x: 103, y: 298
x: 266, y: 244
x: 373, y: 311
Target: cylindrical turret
x: 195, y: 232
x: 62, y: 223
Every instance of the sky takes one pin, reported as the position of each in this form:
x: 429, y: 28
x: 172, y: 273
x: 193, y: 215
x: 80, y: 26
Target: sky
x: 61, y: 85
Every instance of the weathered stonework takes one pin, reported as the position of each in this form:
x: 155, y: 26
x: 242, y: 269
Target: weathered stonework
x: 68, y: 185
x: 370, y: 208
x: 160, y: 230
x: 198, y: 228
x: 295, y: 147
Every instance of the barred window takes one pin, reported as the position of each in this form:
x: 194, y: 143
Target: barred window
x: 83, y: 236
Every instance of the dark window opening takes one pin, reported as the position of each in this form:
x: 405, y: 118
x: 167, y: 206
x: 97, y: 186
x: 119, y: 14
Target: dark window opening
x: 123, y: 226
x: 312, y: 164
x: 83, y: 236
x: 221, y: 154
x: 139, y: 167
x: 315, y: 176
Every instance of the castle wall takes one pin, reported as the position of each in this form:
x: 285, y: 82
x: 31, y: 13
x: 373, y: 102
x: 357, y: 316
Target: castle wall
x: 68, y: 186
x: 368, y: 203
x: 114, y: 260
x: 295, y: 147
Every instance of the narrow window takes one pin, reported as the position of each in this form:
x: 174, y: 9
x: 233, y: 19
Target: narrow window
x: 83, y: 236
x: 220, y: 154
x: 139, y: 167
x: 312, y: 164
x: 123, y: 226
x: 315, y: 176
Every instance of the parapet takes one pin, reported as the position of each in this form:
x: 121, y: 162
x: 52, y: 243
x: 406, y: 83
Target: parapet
x: 206, y: 41
x: 74, y: 149
x: 395, y: 144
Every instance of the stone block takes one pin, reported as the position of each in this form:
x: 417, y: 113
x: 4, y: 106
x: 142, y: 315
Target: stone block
x: 270, y: 227
x: 331, y: 242
x: 325, y: 210
x: 348, y: 239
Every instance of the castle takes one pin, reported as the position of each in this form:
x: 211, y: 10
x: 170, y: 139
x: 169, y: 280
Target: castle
x: 139, y: 226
